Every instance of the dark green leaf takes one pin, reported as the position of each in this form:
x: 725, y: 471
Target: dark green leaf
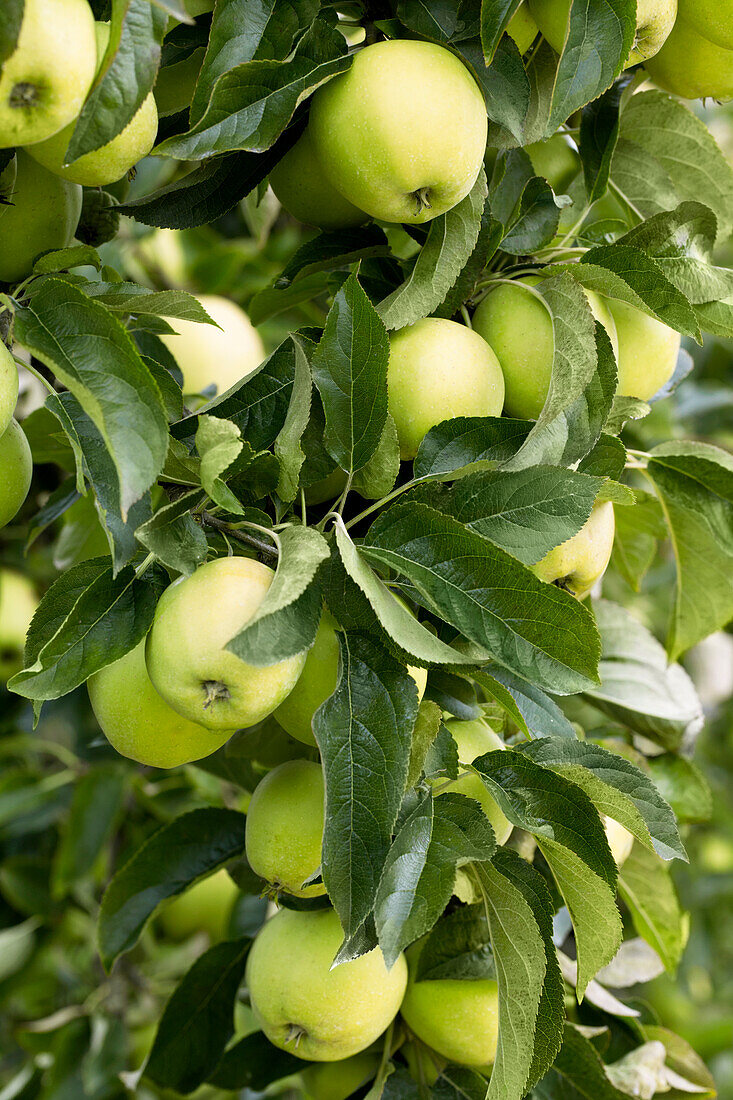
x: 254, y: 1063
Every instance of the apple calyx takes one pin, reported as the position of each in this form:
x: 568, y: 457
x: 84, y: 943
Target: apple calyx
x: 214, y: 690
x: 422, y: 199
x: 24, y: 94
x: 295, y: 1034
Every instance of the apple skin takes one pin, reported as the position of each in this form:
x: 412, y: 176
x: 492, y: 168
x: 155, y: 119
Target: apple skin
x: 204, y: 907
x: 438, y: 370
x: 305, y: 191
x: 654, y: 22
x: 186, y: 656
x: 647, y: 351
x: 16, y: 471
x: 402, y: 133
x: 210, y: 356
x: 517, y: 324
x: 458, y: 1019
x: 45, y: 80
x: 113, y: 160
x: 474, y: 738
x: 285, y: 827
x: 139, y: 724
x: 8, y: 387
x: 303, y: 1006
x: 522, y: 28
x: 576, y: 565
x: 713, y: 19
x: 620, y: 840
x: 692, y: 66
x: 338, y: 1080
x: 555, y: 160
x: 18, y: 603
x: 44, y: 216
x: 318, y: 681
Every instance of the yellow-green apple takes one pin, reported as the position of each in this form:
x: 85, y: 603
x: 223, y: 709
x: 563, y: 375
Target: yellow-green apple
x: 438, y: 370
x: 647, y: 351
x: 215, y: 357
x: 44, y: 215
x: 514, y: 319
x: 697, y: 59
x: 186, y: 652
x: 620, y: 840
x: 285, y: 827
x: 522, y: 28
x: 8, y: 387
x: 306, y: 192
x: 175, y: 84
x: 304, y: 1006
x: 45, y: 80
x: 16, y: 471
x: 204, y: 907
x: 338, y: 1080
x: 114, y: 159
x: 18, y: 603
x: 579, y: 563
x: 458, y: 1019
x: 318, y: 681
x: 556, y: 160
x: 654, y: 21
x: 402, y: 134
x: 138, y: 722
x: 711, y: 18
x: 473, y: 739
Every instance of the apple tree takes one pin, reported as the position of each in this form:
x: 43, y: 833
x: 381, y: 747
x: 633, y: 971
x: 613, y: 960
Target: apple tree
x: 348, y: 748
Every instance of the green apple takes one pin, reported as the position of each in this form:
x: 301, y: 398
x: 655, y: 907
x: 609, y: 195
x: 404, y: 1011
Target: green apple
x: 45, y: 80
x: 620, y: 840
x: 285, y: 827
x: 514, y: 319
x: 458, y: 1019
x: 304, y: 1006
x: 210, y: 356
x: 438, y: 370
x: 114, y: 159
x: 338, y: 1080
x: 522, y: 28
x: 43, y: 217
x: 647, y: 351
x: 18, y: 603
x: 139, y: 723
x: 692, y: 66
x: 556, y: 160
x: 474, y: 738
x: 305, y: 191
x: 402, y: 134
x: 328, y: 488
x: 16, y: 471
x: 713, y: 19
x: 175, y: 84
x: 654, y: 21
x: 318, y: 681
x: 8, y: 387
x: 186, y: 652
x: 579, y: 563
x: 204, y: 907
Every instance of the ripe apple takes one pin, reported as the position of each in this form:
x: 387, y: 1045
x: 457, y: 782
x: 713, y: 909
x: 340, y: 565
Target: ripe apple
x: 522, y: 28
x: 438, y: 370
x: 139, y: 723
x: 402, y: 134
x: 338, y: 1080
x: 620, y: 840
x: 210, y: 356
x: 16, y: 471
x: 186, y: 652
x: 305, y: 191
x: 113, y: 160
x: 697, y: 59
x: 43, y: 217
x: 304, y: 1006
x: 285, y: 827
x: 175, y: 84
x: 45, y: 80
x: 517, y: 324
x: 474, y: 738
x: 204, y: 907
x: 458, y: 1019
x: 318, y: 681
x: 8, y: 387
x: 654, y: 21
x: 713, y: 19
x: 647, y: 351
x: 556, y: 160
x: 18, y: 603
x: 576, y: 565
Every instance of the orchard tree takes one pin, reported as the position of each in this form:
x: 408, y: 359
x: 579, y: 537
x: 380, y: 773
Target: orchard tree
x: 357, y: 578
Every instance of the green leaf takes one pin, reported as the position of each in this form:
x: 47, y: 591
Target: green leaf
x: 638, y: 530
x: 333, y: 249
x: 646, y: 886
x: 504, y: 82
x: 254, y: 1063
x: 450, y: 241
x: 458, y: 947
x: 376, y: 479
x: 417, y: 880
x: 173, y: 535
x: 11, y: 18
x: 683, y: 1060
x: 363, y: 732
x: 74, y: 337
x: 169, y: 861
x: 457, y: 1083
x: 489, y: 238
x: 534, y: 221
x: 94, y: 809
x: 350, y: 369
x: 495, y: 17
x: 533, y: 629
x: 684, y: 786
x: 286, y: 621
x: 694, y: 482
x: 457, y: 445
x: 535, y: 713
x: 427, y: 728
x: 198, y: 1020
x: 599, y: 130
x: 287, y: 445
x: 49, y: 263
x: 219, y: 444
x: 128, y: 297
x: 436, y: 19
x: 577, y: 1073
